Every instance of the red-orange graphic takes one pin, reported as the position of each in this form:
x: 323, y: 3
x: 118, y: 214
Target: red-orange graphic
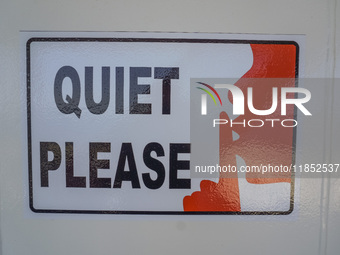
x: 256, y: 146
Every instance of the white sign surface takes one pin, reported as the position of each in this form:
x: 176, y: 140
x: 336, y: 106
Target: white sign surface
x: 108, y: 121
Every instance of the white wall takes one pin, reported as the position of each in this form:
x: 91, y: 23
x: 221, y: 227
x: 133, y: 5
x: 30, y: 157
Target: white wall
x: 315, y: 229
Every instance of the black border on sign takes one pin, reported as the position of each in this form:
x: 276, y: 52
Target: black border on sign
x: 149, y: 40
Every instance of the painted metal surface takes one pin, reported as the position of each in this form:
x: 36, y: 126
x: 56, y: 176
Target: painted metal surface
x: 315, y: 227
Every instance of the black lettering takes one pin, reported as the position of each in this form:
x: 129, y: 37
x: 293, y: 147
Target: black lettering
x: 137, y: 89
x: 71, y: 180
x: 166, y: 73
x: 46, y: 165
x: 71, y: 106
x: 153, y: 164
x: 119, y: 90
x: 102, y: 106
x: 126, y: 152
x: 96, y: 164
x: 175, y: 165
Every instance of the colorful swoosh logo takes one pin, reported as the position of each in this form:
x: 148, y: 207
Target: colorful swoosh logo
x: 209, y: 93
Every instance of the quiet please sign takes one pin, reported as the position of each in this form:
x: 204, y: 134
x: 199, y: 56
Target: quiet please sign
x: 115, y: 122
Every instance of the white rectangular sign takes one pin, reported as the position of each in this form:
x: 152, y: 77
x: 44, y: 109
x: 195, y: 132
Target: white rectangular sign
x: 109, y: 122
